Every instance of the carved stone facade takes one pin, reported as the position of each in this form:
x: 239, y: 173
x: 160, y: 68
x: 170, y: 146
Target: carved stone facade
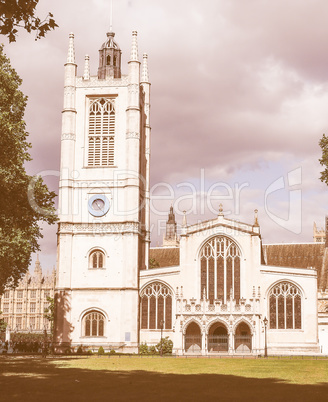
x: 227, y: 299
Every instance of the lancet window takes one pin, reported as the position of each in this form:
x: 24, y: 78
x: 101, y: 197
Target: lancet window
x: 285, y: 301
x: 94, y: 323
x: 156, y: 307
x: 101, y: 132
x: 220, y: 269
x: 96, y: 259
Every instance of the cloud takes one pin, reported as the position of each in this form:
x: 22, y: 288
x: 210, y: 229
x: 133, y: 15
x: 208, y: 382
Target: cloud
x: 238, y: 89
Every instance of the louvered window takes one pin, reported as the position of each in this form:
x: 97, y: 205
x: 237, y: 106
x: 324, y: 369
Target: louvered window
x: 101, y: 133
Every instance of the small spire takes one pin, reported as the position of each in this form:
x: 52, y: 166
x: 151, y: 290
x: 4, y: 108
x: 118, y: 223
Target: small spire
x: 37, y: 268
x: 145, y: 74
x: 71, y: 52
x: 134, y: 48
x: 220, y: 210
x: 256, y: 221
x: 86, y: 74
x: 184, y: 220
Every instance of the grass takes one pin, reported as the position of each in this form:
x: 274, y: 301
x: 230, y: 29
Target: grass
x: 295, y: 371
x: 162, y: 379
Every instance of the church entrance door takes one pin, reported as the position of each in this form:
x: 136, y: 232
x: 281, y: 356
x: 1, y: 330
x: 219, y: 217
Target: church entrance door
x: 243, y: 338
x: 218, y: 340
x: 193, y: 339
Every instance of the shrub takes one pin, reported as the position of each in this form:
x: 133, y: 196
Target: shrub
x: 143, y: 349
x: 79, y: 350
x: 112, y: 352
x: 89, y: 352
x: 166, y: 345
x: 101, y: 351
x: 152, y: 350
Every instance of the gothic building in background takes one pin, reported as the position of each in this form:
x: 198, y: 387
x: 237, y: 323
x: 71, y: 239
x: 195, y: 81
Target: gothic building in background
x: 23, y: 307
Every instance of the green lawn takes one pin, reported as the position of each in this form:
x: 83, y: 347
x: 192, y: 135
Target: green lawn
x: 293, y: 371
x: 163, y: 379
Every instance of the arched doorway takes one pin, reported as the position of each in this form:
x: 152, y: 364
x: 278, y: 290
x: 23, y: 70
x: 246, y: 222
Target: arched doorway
x: 193, y: 338
x: 243, y: 338
x: 218, y: 339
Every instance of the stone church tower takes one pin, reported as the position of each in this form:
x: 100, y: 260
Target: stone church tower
x: 103, y: 234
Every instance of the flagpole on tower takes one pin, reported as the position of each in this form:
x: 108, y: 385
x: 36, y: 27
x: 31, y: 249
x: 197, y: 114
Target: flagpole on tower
x: 111, y: 16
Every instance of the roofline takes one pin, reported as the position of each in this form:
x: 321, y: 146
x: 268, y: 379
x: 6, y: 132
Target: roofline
x: 291, y: 244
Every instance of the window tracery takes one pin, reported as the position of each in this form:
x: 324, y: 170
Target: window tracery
x: 94, y: 323
x: 96, y: 259
x: 220, y: 269
x: 156, y: 307
x: 285, y: 302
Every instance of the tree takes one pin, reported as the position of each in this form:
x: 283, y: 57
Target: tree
x: 3, y: 324
x: 49, y: 313
x: 24, y: 200
x: 21, y: 14
x: 324, y: 160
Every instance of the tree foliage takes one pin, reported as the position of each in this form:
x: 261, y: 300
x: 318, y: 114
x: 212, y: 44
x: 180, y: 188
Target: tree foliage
x: 24, y: 200
x: 3, y: 324
x: 49, y: 312
x: 164, y: 346
x: 16, y: 14
x: 324, y: 160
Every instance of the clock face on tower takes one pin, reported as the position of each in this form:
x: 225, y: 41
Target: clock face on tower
x: 98, y: 205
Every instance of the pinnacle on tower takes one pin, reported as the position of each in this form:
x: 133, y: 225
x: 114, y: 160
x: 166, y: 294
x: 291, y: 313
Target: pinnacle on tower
x: 71, y: 51
x: 134, y: 48
x: 256, y: 221
x: 184, y: 220
x: 86, y: 75
x: 145, y: 74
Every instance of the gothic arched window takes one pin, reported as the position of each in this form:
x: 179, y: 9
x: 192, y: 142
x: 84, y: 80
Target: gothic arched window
x: 285, y: 306
x: 93, y: 324
x: 108, y: 60
x: 96, y: 259
x: 220, y: 269
x: 101, y: 132
x: 156, y: 307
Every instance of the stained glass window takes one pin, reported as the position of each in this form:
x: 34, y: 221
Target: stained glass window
x: 220, y: 269
x: 285, y: 306
x: 156, y: 307
x: 94, y: 324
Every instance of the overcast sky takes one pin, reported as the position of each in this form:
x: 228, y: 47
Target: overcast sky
x: 239, y: 102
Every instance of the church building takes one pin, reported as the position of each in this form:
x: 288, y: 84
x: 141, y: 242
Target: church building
x: 213, y: 291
